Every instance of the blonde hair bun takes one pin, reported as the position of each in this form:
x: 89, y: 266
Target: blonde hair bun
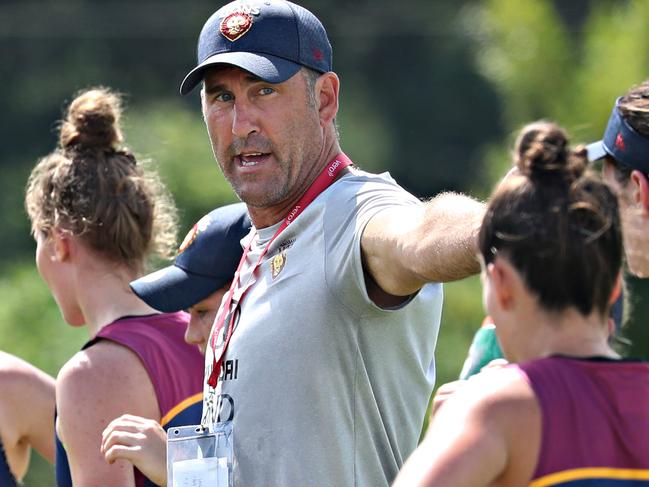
x: 92, y: 121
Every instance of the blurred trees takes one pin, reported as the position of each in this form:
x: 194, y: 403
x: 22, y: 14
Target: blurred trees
x: 567, y: 70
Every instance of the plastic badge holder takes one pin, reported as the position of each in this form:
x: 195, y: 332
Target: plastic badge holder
x: 197, y: 457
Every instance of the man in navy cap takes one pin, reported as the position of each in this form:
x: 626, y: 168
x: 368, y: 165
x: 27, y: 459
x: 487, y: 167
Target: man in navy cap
x: 321, y: 356
x: 625, y: 150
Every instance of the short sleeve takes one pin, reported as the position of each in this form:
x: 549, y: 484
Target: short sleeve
x: 349, y: 209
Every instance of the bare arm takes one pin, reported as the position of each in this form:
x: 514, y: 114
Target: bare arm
x: 26, y: 412
x: 95, y: 386
x: 141, y: 441
x: 404, y: 248
x: 40, y: 427
x: 476, y: 438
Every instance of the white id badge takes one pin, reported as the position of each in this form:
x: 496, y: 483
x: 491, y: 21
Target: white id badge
x: 198, y: 457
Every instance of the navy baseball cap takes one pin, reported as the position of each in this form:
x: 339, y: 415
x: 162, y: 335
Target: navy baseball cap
x: 271, y: 39
x: 206, y: 261
x: 622, y: 143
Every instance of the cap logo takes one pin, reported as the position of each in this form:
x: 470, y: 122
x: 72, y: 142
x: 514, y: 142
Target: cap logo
x: 188, y: 240
x: 619, y: 142
x: 236, y: 25
x: 199, y: 227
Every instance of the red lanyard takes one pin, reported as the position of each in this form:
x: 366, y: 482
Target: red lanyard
x: 231, y: 305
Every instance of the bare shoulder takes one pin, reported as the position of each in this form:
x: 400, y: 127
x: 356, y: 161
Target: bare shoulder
x: 499, y: 399
x: 497, y: 390
x: 102, y: 374
x: 94, y: 387
x: 510, y: 406
x: 488, y: 431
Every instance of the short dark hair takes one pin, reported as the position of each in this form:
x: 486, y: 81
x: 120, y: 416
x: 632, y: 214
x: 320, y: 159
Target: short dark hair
x: 557, y: 223
x: 310, y: 78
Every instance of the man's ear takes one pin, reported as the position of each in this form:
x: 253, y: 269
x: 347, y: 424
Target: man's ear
x: 63, y: 245
x: 502, y: 282
x: 327, y: 89
x: 641, y: 190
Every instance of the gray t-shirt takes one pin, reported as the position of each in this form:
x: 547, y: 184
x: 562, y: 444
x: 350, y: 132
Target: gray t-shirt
x: 323, y: 387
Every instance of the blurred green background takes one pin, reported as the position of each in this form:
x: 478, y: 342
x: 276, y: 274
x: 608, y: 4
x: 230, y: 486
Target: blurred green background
x: 432, y: 91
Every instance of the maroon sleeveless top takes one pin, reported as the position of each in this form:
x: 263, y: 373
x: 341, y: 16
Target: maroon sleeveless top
x: 595, y: 421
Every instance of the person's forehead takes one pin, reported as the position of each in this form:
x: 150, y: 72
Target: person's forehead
x: 218, y: 72
x: 221, y: 73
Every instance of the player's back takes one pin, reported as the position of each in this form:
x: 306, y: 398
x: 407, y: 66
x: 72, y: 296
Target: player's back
x: 595, y: 421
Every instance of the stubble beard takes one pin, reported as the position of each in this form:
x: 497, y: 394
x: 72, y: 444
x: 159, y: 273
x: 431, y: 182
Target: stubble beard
x: 272, y: 191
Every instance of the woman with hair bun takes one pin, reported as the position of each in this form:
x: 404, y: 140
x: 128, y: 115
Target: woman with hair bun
x: 97, y: 215
x: 570, y: 411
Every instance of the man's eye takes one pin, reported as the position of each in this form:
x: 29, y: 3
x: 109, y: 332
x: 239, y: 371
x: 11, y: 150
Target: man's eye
x: 266, y: 91
x: 224, y: 97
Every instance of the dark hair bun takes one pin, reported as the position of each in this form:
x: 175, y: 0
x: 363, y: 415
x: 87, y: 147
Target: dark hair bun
x: 92, y: 121
x: 542, y: 149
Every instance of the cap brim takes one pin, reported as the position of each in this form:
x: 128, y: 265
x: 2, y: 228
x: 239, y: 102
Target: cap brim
x: 596, y: 151
x: 174, y: 289
x: 271, y: 69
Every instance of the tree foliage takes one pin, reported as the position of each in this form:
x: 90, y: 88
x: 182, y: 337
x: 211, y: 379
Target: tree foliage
x: 540, y: 70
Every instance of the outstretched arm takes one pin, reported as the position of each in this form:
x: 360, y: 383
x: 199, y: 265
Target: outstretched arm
x: 141, y: 441
x: 405, y: 247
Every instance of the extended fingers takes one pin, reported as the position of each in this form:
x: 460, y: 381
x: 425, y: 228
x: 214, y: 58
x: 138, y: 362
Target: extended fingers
x: 128, y: 420
x: 121, y: 452
x: 129, y: 423
x: 116, y: 437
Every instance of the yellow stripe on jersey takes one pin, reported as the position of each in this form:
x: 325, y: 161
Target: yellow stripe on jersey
x: 191, y: 400
x: 590, y: 473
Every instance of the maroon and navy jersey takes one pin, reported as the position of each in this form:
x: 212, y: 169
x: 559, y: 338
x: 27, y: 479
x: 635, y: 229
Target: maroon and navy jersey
x: 595, y: 421
x: 174, y: 367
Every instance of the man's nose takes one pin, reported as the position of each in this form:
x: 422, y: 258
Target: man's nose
x: 244, y: 119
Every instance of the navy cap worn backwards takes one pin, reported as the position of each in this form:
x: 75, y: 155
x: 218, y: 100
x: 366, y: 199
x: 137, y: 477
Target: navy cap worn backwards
x: 622, y: 143
x: 271, y: 39
x: 206, y: 261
